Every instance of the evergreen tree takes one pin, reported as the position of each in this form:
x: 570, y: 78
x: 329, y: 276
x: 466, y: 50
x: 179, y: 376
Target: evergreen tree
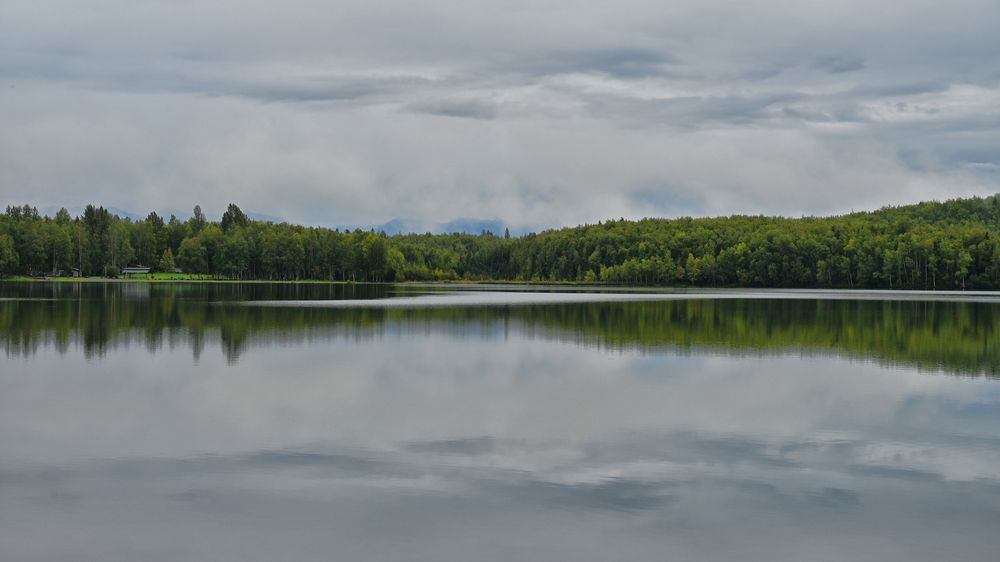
x: 167, y: 262
x: 234, y: 216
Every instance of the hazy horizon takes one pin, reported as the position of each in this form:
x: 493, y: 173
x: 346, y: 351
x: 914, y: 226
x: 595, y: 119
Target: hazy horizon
x: 403, y: 225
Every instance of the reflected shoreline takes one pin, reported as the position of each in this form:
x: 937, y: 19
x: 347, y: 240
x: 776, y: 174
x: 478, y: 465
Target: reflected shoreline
x: 957, y: 336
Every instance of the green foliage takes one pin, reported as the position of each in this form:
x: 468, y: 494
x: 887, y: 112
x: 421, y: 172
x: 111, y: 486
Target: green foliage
x: 197, y: 220
x: 950, y: 245
x: 234, y: 217
x: 8, y: 255
x: 167, y: 262
x: 191, y: 256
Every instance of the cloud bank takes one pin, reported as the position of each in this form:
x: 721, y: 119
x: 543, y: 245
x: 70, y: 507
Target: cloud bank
x: 349, y: 112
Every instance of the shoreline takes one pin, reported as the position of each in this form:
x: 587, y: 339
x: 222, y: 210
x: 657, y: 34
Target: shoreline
x: 24, y: 279
x: 511, y: 286
x: 174, y: 280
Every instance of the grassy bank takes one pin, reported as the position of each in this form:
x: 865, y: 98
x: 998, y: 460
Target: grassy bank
x: 204, y: 278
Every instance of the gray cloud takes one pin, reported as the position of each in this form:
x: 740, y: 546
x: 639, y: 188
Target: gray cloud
x: 838, y: 65
x: 471, y: 109
x: 622, y: 62
x: 340, y: 113
x: 471, y: 446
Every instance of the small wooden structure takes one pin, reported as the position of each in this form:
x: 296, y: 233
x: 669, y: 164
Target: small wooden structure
x: 135, y: 270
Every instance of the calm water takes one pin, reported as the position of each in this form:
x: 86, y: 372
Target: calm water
x: 258, y: 422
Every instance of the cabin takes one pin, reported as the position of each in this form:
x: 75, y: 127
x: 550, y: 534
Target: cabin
x: 134, y: 270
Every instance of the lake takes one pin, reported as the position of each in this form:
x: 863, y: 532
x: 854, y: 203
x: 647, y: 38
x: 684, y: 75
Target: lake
x: 258, y: 422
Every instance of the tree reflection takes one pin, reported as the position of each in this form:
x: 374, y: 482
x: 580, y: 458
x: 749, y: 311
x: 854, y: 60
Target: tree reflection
x: 955, y: 336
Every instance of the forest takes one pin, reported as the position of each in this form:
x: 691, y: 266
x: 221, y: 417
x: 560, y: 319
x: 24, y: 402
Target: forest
x: 932, y: 245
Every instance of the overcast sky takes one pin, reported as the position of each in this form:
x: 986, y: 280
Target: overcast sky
x: 537, y: 113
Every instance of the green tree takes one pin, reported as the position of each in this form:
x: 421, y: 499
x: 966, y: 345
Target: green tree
x: 191, y: 257
x: 167, y: 261
x: 197, y: 220
x: 8, y: 255
x: 60, y: 246
x: 97, y: 222
x: 234, y: 254
x: 234, y: 216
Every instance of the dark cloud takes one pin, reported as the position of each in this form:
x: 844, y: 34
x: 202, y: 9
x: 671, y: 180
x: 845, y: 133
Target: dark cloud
x: 837, y: 498
x: 620, y: 62
x: 692, y: 111
x: 894, y: 473
x: 316, y: 91
x: 838, y: 65
x: 341, y: 462
x: 899, y: 89
x: 843, y: 114
x: 619, y: 494
x: 201, y: 78
x: 469, y: 109
x: 471, y: 446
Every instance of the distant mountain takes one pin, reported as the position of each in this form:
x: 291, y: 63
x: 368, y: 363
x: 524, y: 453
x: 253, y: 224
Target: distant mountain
x: 463, y: 225
x: 264, y: 218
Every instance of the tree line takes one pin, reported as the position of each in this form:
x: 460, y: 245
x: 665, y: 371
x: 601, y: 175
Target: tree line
x: 933, y: 245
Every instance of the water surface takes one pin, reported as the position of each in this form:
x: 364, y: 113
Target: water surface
x: 277, y: 422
